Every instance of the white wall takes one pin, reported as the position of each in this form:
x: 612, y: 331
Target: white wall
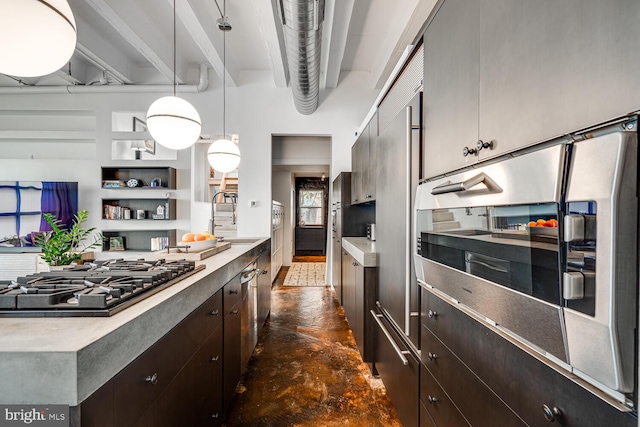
x: 283, y: 188
x: 256, y: 110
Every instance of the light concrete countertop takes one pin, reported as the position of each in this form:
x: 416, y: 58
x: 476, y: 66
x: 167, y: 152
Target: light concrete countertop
x: 64, y: 360
x: 362, y: 249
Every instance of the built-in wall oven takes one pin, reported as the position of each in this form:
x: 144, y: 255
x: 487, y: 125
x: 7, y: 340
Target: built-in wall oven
x: 543, y: 245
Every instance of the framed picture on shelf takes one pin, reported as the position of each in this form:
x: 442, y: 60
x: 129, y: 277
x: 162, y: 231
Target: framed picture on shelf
x: 116, y: 243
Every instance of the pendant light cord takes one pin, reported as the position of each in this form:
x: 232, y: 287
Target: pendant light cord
x: 224, y: 73
x: 174, y: 47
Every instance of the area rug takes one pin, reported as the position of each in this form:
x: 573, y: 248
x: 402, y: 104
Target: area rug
x: 305, y: 274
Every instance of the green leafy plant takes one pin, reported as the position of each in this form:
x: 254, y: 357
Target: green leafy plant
x: 61, y: 246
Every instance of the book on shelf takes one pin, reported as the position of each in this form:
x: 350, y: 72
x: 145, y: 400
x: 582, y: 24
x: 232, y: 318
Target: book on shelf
x: 112, y: 183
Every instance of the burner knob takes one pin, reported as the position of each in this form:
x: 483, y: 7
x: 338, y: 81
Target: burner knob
x: 153, y: 379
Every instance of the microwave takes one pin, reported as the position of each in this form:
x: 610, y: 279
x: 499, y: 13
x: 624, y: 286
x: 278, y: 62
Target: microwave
x: 542, y: 244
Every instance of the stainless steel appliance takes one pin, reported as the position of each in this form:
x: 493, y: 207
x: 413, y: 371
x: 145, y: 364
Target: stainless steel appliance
x: 371, y: 232
x: 101, y: 288
x: 543, y: 244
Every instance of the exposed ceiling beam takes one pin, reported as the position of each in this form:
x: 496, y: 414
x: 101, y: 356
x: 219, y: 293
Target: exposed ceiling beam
x: 102, y: 64
x: 196, y: 30
x: 409, y: 34
x: 128, y: 34
x: 270, y: 27
x: 337, y: 18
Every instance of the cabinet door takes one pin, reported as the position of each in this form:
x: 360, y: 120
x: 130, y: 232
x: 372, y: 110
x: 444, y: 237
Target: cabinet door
x: 336, y: 270
x: 357, y: 170
x: 264, y: 289
x: 369, y: 185
x: 189, y: 398
x: 231, y: 360
x: 451, y: 68
x: 357, y: 325
x: 401, y: 381
x: 348, y: 286
x: 552, y: 67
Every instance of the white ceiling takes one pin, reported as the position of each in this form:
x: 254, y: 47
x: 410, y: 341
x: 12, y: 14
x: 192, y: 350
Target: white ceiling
x: 133, y: 41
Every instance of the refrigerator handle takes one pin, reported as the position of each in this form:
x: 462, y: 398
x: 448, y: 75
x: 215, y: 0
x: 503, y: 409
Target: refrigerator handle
x: 401, y: 353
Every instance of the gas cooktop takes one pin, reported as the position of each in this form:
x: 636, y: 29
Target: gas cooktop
x: 101, y: 288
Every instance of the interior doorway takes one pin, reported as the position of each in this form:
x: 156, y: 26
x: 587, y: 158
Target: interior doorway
x: 293, y: 157
x: 312, y: 197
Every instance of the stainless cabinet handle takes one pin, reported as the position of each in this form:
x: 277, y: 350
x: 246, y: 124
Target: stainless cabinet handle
x: 215, y: 415
x: 432, y: 356
x: 483, y: 144
x: 215, y: 312
x: 551, y: 414
x: 214, y: 359
x: 233, y: 292
x: 481, y: 178
x: 401, y: 353
x: 153, y: 379
x: 432, y: 314
x: 466, y: 151
x: 432, y: 399
x: 234, y: 311
x: 265, y: 271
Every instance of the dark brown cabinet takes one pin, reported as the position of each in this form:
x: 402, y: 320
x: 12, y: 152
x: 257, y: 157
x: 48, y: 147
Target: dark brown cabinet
x: 488, y: 377
x: 164, y: 373
x: 359, y: 296
x: 264, y: 288
x: 401, y: 380
x: 232, y: 339
x: 363, y: 165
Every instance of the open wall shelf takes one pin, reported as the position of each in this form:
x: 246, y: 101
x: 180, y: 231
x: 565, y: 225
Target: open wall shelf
x: 148, y: 177
x: 154, y: 209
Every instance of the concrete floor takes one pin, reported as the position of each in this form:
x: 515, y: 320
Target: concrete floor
x: 306, y: 369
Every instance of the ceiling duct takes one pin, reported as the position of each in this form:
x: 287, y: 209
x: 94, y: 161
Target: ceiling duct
x: 302, y: 23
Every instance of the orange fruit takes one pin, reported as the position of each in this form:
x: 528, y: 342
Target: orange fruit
x: 541, y: 222
x: 532, y: 224
x: 188, y: 237
x: 551, y: 223
x: 198, y: 237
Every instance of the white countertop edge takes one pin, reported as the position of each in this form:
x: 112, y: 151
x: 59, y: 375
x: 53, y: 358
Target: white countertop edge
x: 362, y: 249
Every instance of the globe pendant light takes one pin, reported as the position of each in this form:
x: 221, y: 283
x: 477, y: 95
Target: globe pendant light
x: 224, y: 154
x: 38, y: 36
x: 172, y: 121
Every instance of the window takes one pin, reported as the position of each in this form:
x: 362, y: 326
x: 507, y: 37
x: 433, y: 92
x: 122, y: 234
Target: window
x: 311, y: 209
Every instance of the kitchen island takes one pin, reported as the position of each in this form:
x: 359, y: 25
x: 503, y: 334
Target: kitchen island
x: 65, y: 360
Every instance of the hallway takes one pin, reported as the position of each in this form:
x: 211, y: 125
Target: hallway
x: 306, y: 369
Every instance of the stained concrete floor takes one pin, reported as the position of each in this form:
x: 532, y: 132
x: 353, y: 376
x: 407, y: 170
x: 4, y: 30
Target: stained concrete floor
x: 306, y: 369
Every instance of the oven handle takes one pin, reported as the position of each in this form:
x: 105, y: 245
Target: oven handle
x: 401, y: 353
x: 467, y: 185
x: 471, y: 260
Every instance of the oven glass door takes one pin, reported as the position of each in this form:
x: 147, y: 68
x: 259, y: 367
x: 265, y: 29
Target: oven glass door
x: 515, y: 246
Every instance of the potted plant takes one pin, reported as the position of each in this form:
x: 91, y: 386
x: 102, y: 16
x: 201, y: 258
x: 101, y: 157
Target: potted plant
x: 62, y: 246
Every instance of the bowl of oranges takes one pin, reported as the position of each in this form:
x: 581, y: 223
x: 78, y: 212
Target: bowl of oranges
x: 548, y: 227
x: 198, y: 242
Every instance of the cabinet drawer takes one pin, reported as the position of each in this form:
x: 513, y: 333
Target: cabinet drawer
x: 480, y: 406
x: 523, y: 382
x: 142, y: 381
x: 443, y: 412
x: 425, y: 418
x: 185, y: 400
x: 232, y: 294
